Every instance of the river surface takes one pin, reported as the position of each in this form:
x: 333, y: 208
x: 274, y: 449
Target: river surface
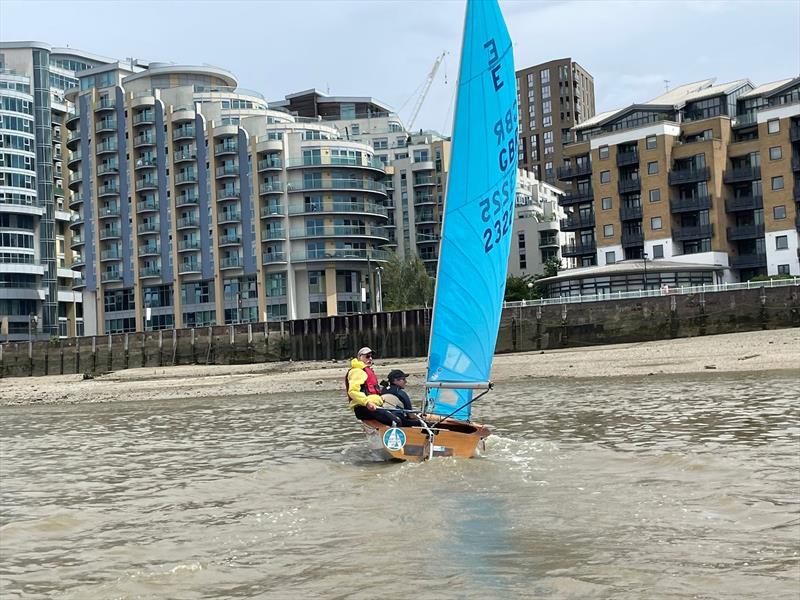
x: 659, y: 487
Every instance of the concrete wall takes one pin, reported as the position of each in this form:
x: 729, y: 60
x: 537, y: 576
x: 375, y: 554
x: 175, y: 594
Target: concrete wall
x: 405, y: 333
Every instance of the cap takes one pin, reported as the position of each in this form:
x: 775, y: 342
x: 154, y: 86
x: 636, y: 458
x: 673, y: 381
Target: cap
x: 364, y: 350
x: 396, y: 374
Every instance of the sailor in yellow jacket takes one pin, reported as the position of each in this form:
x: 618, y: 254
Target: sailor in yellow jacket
x: 363, y: 391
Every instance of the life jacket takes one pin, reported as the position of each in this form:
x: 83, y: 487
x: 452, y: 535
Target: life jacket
x: 370, y: 386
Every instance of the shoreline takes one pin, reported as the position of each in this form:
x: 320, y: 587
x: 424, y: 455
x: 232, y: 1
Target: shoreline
x: 747, y: 352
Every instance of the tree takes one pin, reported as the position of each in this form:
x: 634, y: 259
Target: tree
x: 517, y: 288
x: 406, y: 284
x: 552, y: 266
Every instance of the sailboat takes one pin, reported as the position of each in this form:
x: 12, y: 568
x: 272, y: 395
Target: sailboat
x: 474, y: 249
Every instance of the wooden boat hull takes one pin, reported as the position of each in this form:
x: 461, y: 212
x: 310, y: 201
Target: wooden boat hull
x: 451, y: 438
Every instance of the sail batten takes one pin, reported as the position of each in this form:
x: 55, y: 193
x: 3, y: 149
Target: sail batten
x: 478, y: 214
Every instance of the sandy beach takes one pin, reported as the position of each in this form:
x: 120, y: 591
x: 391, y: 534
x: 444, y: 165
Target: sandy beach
x: 758, y: 351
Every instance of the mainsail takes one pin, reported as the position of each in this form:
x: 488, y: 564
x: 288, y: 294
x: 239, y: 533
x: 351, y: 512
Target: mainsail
x: 478, y: 214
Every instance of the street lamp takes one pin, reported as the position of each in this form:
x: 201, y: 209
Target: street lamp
x: 33, y: 320
x: 530, y: 290
x: 379, y: 288
x: 644, y: 263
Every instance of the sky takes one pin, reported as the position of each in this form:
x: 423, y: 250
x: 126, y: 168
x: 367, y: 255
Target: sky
x: 386, y: 48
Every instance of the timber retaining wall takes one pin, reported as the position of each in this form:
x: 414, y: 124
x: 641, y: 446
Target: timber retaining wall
x: 405, y: 333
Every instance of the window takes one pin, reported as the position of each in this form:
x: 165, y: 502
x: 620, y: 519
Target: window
x: 547, y: 107
x: 652, y: 168
x: 544, y: 74
x: 658, y: 251
x: 779, y: 212
x: 777, y: 182
x: 782, y: 242
x: 606, y: 203
x: 655, y: 195
x: 603, y: 152
x: 547, y: 121
x: 605, y: 176
x: 773, y: 126
x: 650, y: 142
x: 655, y: 223
x: 608, y: 230
x: 775, y: 153
x: 611, y: 257
x: 783, y: 270
x: 545, y: 92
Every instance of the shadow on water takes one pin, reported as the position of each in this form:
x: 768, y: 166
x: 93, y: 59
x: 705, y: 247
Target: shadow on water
x: 667, y: 488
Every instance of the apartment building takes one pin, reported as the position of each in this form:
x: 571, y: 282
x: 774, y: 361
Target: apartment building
x: 37, y: 298
x: 536, y: 237
x: 705, y: 173
x: 553, y: 97
x: 197, y: 204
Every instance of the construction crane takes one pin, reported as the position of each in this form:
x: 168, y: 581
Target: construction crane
x: 425, y: 89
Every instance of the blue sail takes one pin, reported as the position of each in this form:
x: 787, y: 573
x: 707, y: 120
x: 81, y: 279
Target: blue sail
x: 478, y: 214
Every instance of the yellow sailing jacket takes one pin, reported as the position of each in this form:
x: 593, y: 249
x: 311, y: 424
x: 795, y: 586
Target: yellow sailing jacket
x: 356, y: 386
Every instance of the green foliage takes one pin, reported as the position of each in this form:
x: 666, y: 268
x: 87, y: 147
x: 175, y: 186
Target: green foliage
x: 552, y: 266
x: 517, y: 288
x: 406, y: 284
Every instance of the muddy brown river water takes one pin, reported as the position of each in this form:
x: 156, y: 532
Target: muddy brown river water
x: 625, y: 488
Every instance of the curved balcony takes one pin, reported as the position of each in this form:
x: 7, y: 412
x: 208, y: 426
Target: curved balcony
x: 185, y: 178
x: 148, y: 228
x: 72, y: 120
x: 340, y: 255
x: 76, y: 241
x: 336, y: 161
x: 74, y: 159
x: 108, y: 145
x: 227, y: 171
x: 109, y: 233
x: 106, y: 212
x: 268, y: 164
x: 226, y: 147
x: 692, y: 233
x: 146, y: 117
x: 273, y: 210
x: 422, y: 238
x: 143, y: 98
x: 145, y: 163
x: 149, y: 250
x: 231, y: 262
x: 192, y: 266
x: 75, y: 221
x: 73, y: 140
x: 76, y: 201
x: 188, y: 245
x: 366, y: 208
x: 78, y: 283
x: 273, y: 187
x: 425, y: 216
x: 107, y: 169
x: 230, y: 240
x: 113, y: 254
x: 104, y: 104
x: 271, y: 258
x: 334, y: 231
x: 227, y: 217
x: 111, y: 276
x: 188, y: 223
x: 105, y: 125
x: 75, y: 180
x: 146, y: 184
x: 424, y: 181
x: 184, y: 156
x: 187, y: 200
x: 78, y: 261
x: 273, y: 234
x: 348, y: 185
x: 144, y: 140
x: 228, y: 194
x: 184, y: 132
x: 682, y: 205
x: 149, y: 272
x: 108, y: 190
x: 423, y: 199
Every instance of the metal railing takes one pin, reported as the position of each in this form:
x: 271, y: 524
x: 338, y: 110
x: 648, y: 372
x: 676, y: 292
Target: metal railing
x: 671, y: 291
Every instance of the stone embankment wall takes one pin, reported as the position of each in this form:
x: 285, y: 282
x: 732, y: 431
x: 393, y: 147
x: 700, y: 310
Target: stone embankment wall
x: 405, y: 333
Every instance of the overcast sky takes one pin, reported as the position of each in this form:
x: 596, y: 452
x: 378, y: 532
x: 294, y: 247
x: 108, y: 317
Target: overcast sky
x: 385, y: 49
